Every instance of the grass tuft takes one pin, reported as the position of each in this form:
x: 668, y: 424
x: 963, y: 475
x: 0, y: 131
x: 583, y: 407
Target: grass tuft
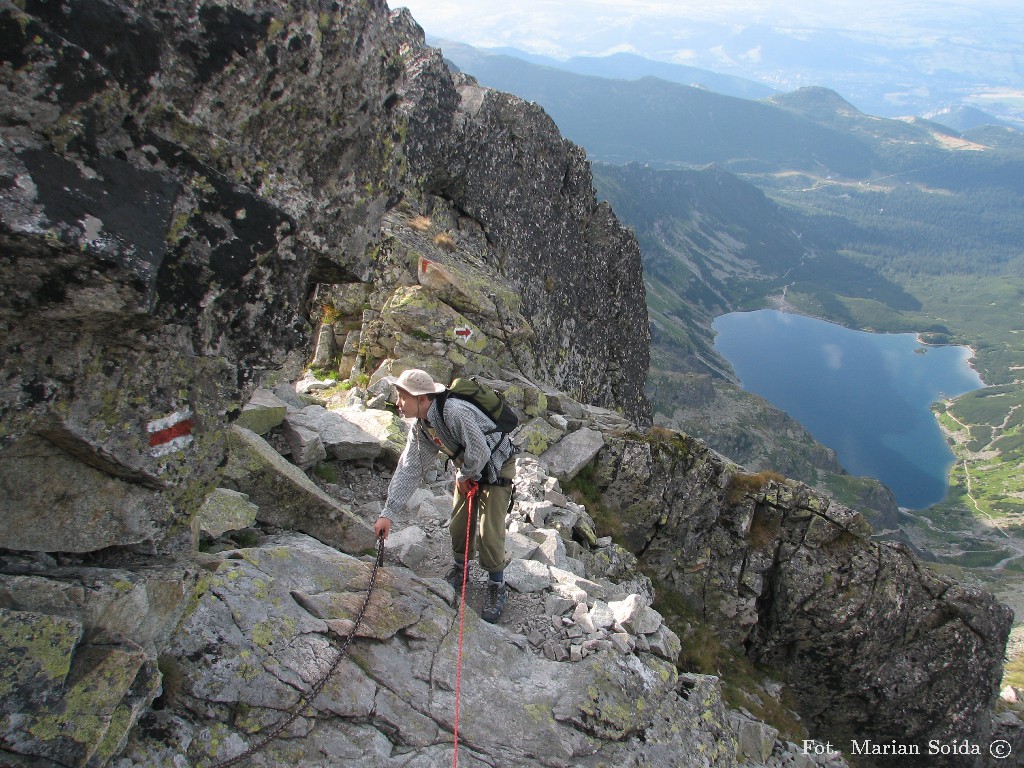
x: 743, y: 483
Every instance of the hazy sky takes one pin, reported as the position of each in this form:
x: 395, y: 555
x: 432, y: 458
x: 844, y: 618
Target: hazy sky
x: 562, y: 28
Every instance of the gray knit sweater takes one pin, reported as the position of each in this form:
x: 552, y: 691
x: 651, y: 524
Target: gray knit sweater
x: 464, y: 429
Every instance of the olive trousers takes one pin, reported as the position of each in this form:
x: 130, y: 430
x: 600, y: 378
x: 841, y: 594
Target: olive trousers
x: 491, y: 504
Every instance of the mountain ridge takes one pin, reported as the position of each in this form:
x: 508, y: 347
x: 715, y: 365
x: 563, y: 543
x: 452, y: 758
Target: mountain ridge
x: 913, y: 63
x: 623, y: 66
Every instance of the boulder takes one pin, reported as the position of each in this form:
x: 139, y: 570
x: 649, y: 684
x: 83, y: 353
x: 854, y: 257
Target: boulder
x: 140, y: 605
x: 384, y: 426
x: 575, y: 584
x: 324, y: 350
x: 635, y: 616
x: 527, y: 576
x: 310, y: 384
x: 306, y: 447
x: 602, y: 615
x: 225, y: 510
x: 341, y: 438
x: 536, y: 436
x: 537, y: 512
x: 275, y: 613
x: 665, y: 643
x: 550, y: 547
x: 518, y: 546
x: 285, y: 392
x: 264, y: 411
x: 287, y: 498
x: 66, y: 702
x: 569, y: 455
x: 409, y: 545
x: 52, y: 502
x: 756, y: 739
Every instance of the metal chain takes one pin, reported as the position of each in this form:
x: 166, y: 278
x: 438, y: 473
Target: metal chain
x: 306, y: 698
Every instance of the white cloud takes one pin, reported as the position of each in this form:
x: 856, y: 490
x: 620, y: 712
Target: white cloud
x: 620, y: 48
x: 833, y: 356
x: 684, y: 56
x: 753, y: 55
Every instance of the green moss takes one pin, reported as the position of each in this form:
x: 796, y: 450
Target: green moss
x: 247, y: 719
x: 274, y: 28
x: 87, y: 706
x: 263, y: 634
x: 203, y: 583
x: 43, y: 642
x: 174, y: 232
x: 249, y: 672
x: 261, y: 590
x: 122, y: 585
x: 536, y: 443
x: 120, y: 723
x: 1013, y: 673
x: 539, y: 713
x: 326, y: 471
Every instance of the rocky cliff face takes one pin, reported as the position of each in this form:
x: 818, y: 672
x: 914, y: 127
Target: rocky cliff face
x: 179, y: 180
x: 503, y: 165
x: 866, y: 633
x: 189, y: 190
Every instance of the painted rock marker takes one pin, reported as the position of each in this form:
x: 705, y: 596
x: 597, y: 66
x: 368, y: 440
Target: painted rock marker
x: 171, y: 433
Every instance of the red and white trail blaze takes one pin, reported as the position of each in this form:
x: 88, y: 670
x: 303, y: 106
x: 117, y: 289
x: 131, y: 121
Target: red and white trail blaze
x: 171, y: 433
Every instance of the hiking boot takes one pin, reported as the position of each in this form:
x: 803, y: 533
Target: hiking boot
x: 494, y: 604
x: 454, y: 577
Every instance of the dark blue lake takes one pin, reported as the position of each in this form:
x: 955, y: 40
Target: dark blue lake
x: 865, y: 395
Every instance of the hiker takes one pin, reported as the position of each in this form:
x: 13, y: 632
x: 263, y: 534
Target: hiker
x: 483, y: 456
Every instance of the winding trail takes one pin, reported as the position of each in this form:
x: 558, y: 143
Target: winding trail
x: 992, y: 522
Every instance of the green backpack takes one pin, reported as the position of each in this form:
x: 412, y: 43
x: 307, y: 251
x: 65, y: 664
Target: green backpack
x: 485, y: 398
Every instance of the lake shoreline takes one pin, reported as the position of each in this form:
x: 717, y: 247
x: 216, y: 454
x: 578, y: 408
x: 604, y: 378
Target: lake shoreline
x: 970, y: 359
x: 780, y: 303
x: 805, y: 366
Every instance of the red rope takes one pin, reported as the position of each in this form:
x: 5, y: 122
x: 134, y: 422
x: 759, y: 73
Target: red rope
x: 470, y: 496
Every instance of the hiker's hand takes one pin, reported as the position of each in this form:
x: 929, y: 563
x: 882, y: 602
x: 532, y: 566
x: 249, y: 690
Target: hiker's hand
x: 466, y: 486
x: 382, y: 527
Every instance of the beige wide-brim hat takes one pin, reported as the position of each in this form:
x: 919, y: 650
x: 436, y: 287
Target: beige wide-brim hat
x: 417, y: 382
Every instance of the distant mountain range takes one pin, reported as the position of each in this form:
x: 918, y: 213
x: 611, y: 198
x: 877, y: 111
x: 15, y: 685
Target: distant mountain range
x: 669, y: 124
x: 619, y: 66
x: 498, y: 63
x: 910, y: 59
x: 966, y: 118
